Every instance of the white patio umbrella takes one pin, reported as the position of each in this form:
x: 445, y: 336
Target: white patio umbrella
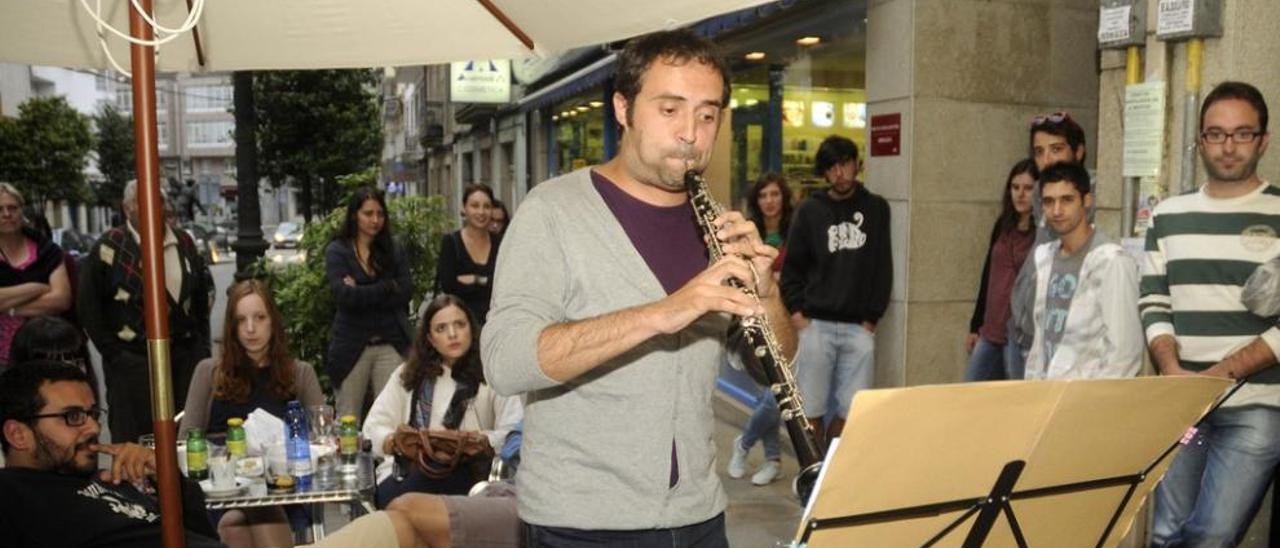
x: 310, y: 34
x: 229, y: 35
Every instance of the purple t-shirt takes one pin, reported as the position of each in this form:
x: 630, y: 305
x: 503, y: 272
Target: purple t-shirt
x: 666, y: 237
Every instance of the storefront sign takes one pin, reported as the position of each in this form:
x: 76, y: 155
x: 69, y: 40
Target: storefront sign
x: 886, y: 134
x: 1143, y: 129
x: 487, y: 81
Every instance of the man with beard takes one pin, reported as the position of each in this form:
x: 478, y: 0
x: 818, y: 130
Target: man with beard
x: 836, y: 280
x: 52, y: 493
x: 625, y: 320
x: 1201, y: 248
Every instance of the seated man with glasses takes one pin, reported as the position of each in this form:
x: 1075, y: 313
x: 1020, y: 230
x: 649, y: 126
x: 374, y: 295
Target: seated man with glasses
x: 52, y: 493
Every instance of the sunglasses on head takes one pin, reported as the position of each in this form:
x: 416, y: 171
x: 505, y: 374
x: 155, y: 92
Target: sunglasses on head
x: 1051, y: 118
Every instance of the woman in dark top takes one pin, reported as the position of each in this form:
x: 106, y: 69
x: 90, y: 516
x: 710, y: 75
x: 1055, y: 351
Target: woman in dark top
x: 254, y: 371
x: 1011, y: 240
x: 371, y: 288
x: 465, y: 266
x: 33, y: 278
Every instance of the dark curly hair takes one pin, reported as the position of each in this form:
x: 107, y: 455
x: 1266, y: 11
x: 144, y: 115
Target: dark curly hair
x: 680, y: 46
x: 425, y: 361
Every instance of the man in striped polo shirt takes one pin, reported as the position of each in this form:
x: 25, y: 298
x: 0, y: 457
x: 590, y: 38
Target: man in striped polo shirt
x: 1201, y: 247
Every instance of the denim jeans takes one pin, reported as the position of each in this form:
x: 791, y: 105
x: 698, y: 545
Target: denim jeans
x: 834, y: 361
x: 994, y: 362
x: 763, y: 426
x: 707, y: 534
x: 1216, y: 482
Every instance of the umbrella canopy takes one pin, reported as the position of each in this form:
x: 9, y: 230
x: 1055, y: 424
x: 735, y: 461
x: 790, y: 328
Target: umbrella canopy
x: 312, y: 34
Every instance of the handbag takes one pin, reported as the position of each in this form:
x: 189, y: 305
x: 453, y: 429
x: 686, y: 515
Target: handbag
x: 439, y: 453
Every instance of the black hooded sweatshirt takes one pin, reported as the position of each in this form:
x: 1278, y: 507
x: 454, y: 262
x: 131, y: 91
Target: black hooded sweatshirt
x: 839, y: 263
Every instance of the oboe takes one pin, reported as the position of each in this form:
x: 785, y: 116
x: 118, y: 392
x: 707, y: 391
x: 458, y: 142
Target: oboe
x: 758, y: 335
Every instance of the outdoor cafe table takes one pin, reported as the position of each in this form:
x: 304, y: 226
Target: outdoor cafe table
x: 355, y: 497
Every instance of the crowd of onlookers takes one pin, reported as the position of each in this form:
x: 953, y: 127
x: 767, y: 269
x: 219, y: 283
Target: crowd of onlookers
x: 1059, y: 299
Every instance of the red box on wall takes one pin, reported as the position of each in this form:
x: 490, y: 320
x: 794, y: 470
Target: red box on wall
x: 886, y: 134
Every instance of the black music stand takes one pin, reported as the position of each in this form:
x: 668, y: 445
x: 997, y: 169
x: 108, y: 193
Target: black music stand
x: 1058, y: 463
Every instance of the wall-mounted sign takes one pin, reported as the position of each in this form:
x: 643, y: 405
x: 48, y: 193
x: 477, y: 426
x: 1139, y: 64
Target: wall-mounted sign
x: 1175, y: 16
x: 1113, y: 24
x: 886, y: 134
x: 487, y: 81
x: 1143, y: 129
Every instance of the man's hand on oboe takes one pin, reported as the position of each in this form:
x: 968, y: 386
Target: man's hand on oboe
x: 740, y: 238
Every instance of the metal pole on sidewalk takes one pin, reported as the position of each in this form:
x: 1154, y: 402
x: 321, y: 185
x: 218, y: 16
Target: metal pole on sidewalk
x: 155, y: 307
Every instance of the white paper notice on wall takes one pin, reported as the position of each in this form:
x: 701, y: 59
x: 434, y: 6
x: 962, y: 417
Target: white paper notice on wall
x: 1144, y: 106
x: 1173, y: 16
x: 1113, y: 24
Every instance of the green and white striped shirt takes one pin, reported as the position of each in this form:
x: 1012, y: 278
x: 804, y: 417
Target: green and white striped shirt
x: 1199, y: 252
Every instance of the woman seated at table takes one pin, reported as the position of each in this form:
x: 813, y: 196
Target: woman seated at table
x: 254, y: 371
x: 440, y: 386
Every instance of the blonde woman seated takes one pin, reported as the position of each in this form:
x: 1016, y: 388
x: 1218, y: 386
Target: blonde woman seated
x: 254, y: 370
x: 440, y: 386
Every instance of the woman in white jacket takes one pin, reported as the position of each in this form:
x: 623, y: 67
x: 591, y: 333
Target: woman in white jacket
x: 440, y: 386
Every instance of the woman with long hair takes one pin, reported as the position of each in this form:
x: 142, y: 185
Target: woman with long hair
x: 1012, y: 237
x: 33, y: 276
x: 254, y: 370
x: 371, y: 289
x: 467, y: 256
x: 769, y: 203
x: 440, y: 386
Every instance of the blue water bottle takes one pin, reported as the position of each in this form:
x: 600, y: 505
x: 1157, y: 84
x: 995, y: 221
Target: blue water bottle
x: 298, y: 445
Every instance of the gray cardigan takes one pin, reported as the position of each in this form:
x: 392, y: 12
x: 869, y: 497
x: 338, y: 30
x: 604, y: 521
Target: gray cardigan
x: 597, y: 449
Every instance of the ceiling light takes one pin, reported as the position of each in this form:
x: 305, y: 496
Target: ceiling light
x: 564, y: 114
x: 555, y: 117
x: 808, y: 41
x: 596, y: 104
x: 583, y: 108
x: 755, y: 56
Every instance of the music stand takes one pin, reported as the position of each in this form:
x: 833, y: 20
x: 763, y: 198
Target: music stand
x: 1041, y: 463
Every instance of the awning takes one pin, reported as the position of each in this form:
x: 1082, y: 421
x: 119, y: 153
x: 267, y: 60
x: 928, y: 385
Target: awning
x: 573, y: 84
x: 603, y: 69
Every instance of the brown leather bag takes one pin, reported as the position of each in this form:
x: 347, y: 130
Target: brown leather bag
x: 437, y: 453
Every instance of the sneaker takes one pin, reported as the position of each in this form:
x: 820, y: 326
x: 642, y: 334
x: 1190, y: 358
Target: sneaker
x: 768, y: 472
x: 738, y: 462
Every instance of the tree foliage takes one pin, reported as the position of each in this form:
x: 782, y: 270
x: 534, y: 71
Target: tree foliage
x: 115, y: 154
x: 46, y: 149
x: 302, y: 292
x: 314, y: 126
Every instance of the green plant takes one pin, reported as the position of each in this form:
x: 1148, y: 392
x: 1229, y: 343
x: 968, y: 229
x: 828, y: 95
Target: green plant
x: 302, y: 291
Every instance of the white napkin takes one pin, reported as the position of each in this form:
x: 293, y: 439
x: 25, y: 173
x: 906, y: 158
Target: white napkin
x: 262, y: 430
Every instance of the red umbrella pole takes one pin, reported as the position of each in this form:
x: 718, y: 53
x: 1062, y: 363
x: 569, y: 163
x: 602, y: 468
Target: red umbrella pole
x: 156, y: 307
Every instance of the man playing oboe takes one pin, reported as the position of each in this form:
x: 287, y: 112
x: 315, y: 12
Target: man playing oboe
x: 608, y: 318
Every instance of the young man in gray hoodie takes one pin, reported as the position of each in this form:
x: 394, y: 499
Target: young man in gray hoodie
x: 607, y: 317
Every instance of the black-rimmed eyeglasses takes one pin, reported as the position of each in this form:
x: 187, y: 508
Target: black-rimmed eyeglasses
x: 75, y: 416
x: 1239, y: 136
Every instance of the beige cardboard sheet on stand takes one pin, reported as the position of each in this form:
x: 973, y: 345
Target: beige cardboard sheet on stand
x: 912, y: 447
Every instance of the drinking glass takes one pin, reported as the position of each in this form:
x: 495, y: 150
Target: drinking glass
x: 222, y: 468
x: 320, y: 420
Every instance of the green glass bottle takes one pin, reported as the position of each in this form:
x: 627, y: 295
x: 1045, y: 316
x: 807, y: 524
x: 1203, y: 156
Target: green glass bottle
x: 236, y: 445
x: 197, y: 455
x: 348, y: 439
